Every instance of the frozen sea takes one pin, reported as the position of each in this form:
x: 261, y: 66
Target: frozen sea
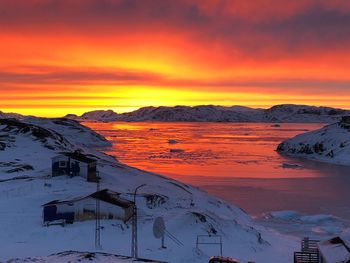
x: 238, y: 163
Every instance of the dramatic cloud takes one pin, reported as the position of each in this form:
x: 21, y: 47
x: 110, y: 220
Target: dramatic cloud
x: 78, y: 76
x: 252, y: 52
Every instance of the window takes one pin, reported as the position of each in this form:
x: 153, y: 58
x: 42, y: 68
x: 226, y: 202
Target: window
x: 62, y: 164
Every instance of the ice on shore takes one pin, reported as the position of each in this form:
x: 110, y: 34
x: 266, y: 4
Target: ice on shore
x: 318, y: 226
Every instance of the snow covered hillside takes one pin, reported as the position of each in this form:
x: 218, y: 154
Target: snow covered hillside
x: 71, y: 130
x: 302, y: 114
x: 210, y: 113
x: 26, y: 149
x: 329, y: 144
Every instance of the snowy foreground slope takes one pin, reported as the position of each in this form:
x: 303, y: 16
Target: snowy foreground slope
x: 75, y: 256
x: 26, y: 148
x: 329, y: 144
x: 209, y: 113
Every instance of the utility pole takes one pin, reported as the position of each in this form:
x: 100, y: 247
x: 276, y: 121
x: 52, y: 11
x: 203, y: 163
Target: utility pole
x: 97, y: 217
x: 134, y: 240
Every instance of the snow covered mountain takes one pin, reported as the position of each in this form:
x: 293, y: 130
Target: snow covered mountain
x: 329, y: 144
x: 10, y: 115
x: 302, y: 113
x: 198, y: 113
x: 26, y: 149
x: 209, y: 113
x: 101, y: 115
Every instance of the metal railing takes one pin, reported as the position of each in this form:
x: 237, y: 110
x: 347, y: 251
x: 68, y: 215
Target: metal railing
x: 309, y: 252
x: 305, y: 257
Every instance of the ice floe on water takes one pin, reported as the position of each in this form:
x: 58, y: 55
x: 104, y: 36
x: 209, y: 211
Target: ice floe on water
x: 176, y: 150
x: 172, y: 141
x: 291, y: 166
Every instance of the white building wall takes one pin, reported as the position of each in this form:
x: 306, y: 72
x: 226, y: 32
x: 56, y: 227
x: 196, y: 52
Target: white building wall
x: 90, y: 204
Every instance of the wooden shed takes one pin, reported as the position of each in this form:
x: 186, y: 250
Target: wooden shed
x: 112, y: 206
x: 75, y: 164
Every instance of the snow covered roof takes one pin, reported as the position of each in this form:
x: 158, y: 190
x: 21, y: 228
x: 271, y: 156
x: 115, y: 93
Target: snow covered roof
x: 105, y: 195
x: 112, y: 198
x: 335, y: 250
x: 346, y: 240
x: 76, y: 156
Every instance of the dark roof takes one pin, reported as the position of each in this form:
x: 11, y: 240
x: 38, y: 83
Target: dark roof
x: 335, y: 249
x: 52, y: 202
x: 105, y: 195
x: 80, y: 157
x: 112, y: 198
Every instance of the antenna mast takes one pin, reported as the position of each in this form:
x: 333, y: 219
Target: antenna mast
x: 134, y: 240
x: 97, y: 217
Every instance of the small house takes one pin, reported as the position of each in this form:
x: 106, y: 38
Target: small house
x: 335, y: 250
x: 111, y: 206
x: 75, y: 164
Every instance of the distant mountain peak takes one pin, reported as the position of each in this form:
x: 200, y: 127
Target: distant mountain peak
x: 13, y: 115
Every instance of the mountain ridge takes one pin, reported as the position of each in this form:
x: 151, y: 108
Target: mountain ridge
x: 283, y: 113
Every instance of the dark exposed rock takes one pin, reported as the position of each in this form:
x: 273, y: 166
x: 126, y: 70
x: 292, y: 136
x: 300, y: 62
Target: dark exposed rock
x: 202, y: 218
x: 319, y: 148
x: 20, y: 168
x: 2, y: 146
x: 155, y: 200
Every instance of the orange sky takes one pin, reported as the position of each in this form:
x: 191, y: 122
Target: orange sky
x: 59, y: 57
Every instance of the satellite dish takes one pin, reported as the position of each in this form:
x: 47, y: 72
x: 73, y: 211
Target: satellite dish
x: 159, y: 228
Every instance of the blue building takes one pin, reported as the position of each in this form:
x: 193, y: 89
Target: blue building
x: 75, y: 164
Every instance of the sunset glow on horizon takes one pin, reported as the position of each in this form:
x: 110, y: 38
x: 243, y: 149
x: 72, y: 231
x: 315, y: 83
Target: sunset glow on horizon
x: 60, y: 57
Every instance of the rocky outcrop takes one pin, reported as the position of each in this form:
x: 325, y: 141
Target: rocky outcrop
x: 329, y: 144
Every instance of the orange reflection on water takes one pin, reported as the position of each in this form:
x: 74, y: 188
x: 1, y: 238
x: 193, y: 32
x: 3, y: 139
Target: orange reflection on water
x: 186, y: 150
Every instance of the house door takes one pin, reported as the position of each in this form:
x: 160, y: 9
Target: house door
x: 75, y: 169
